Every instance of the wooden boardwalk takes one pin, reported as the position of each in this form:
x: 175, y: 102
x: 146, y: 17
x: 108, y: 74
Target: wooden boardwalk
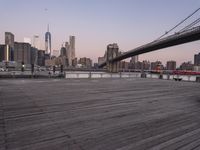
x: 107, y: 114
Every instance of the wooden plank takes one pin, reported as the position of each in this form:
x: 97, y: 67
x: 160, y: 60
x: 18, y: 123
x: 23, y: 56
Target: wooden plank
x: 99, y: 114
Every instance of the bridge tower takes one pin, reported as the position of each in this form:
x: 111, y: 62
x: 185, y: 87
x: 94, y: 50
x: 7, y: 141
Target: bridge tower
x: 112, y: 52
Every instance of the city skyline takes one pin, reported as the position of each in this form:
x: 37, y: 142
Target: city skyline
x: 98, y: 23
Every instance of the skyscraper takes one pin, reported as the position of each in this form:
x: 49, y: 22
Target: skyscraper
x: 134, y: 59
x: 63, y: 52
x: 9, y: 40
x: 23, y: 52
x: 41, y: 58
x: 48, y: 42
x: 72, y: 46
x: 67, y: 47
x: 197, y: 59
x: 171, y: 65
x: 2, y: 51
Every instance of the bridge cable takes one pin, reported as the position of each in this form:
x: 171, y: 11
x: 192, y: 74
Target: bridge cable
x: 190, y: 25
x: 179, y: 23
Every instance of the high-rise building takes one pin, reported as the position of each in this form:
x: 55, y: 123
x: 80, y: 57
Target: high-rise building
x: 171, y: 65
x: 101, y: 60
x: 85, y: 62
x: 197, y: 59
x: 123, y: 65
x: 9, y: 40
x: 36, y: 41
x: 63, y: 52
x: 134, y: 59
x: 22, y: 53
x: 67, y: 47
x: 74, y: 62
x: 34, y: 55
x: 72, y: 46
x: 70, y: 50
x: 48, y: 42
x: 41, y: 57
x: 2, y: 51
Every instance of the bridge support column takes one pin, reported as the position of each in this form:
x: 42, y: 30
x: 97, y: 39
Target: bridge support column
x: 143, y: 74
x: 112, y: 52
x: 113, y: 67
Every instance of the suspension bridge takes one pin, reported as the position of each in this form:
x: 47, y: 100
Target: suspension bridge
x: 189, y: 33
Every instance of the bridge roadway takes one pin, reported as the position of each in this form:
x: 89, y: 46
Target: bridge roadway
x: 172, y: 40
x: 99, y: 114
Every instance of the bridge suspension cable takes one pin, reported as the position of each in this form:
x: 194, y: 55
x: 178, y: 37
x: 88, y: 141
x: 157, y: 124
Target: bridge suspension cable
x: 190, y: 25
x: 179, y: 23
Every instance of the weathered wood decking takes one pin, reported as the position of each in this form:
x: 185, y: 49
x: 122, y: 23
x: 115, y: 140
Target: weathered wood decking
x: 108, y: 114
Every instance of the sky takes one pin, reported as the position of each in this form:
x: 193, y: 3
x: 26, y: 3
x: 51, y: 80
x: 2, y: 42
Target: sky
x: 97, y: 23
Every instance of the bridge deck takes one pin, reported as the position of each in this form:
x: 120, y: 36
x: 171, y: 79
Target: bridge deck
x: 123, y: 114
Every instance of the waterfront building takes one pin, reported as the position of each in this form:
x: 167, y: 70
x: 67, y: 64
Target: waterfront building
x: 101, y: 60
x: 9, y: 50
x: 85, y: 62
x: 186, y: 66
x: 146, y: 65
x: 134, y: 59
x: 197, y: 59
x: 41, y: 57
x: 2, y: 51
x: 171, y: 65
x: 34, y: 55
x: 123, y: 65
x: 74, y: 62
x: 22, y: 52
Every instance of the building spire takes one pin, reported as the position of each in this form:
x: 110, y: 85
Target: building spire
x: 48, y: 28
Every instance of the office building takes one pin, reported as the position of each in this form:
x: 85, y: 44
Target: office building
x: 6, y: 53
x: 85, y: 62
x: 123, y: 65
x: 196, y: 68
x: 63, y: 52
x: 101, y: 60
x: 74, y: 62
x: 34, y: 55
x: 72, y: 46
x: 41, y: 58
x: 134, y: 59
x: 171, y: 65
x: 22, y: 52
x: 48, y: 42
x: 70, y: 51
x: 2, y: 51
x: 9, y: 40
x: 187, y: 66
x: 197, y: 59
x: 145, y: 64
